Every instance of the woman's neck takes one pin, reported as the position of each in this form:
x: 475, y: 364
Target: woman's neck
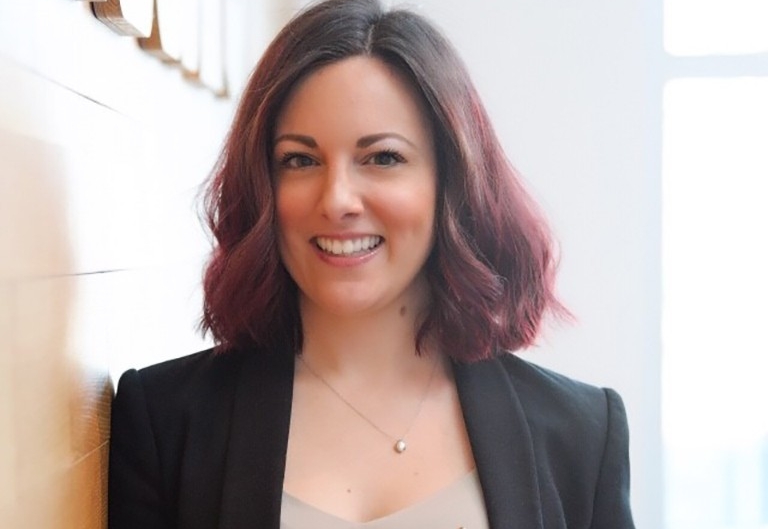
x: 377, y: 346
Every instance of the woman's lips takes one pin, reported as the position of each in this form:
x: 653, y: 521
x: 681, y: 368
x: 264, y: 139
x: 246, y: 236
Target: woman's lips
x: 348, y: 247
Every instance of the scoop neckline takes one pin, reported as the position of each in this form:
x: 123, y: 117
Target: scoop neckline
x: 472, y: 474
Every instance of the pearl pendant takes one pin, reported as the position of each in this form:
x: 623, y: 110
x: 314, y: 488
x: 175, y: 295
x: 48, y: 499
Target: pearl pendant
x: 400, y: 446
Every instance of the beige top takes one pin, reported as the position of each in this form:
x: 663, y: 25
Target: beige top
x: 459, y: 505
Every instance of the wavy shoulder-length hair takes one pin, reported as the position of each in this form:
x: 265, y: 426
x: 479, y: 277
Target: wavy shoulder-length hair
x: 491, y: 270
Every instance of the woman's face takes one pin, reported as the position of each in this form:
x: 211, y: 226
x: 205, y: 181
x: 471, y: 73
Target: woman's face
x: 355, y: 179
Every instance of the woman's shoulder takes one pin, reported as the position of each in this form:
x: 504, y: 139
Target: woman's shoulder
x: 196, y: 368
x: 580, y: 435
x: 189, y: 365
x: 555, y: 402
x: 181, y: 382
x: 531, y: 379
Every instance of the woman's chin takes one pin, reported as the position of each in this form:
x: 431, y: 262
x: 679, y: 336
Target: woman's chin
x: 344, y: 308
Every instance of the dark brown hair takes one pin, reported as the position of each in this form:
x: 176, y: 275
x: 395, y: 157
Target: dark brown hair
x: 491, y: 270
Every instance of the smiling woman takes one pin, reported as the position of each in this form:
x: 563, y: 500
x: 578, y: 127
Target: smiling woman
x: 355, y: 186
x: 377, y: 263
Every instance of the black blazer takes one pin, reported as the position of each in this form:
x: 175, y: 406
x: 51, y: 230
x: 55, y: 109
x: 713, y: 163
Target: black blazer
x: 200, y: 443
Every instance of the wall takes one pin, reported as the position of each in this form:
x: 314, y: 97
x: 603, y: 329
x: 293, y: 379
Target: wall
x: 102, y: 150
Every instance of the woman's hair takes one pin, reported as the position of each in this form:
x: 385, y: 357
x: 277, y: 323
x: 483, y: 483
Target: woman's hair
x: 491, y: 270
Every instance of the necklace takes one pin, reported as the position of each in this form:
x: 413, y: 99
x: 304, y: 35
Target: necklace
x: 400, y: 443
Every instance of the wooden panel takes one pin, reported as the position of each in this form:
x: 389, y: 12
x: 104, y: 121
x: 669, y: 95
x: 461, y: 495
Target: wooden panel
x: 7, y: 444
x: 55, y: 391
x: 33, y: 223
x: 55, y: 413
x: 165, y: 41
x: 118, y: 195
x: 102, y: 150
x: 126, y: 17
x: 71, y: 47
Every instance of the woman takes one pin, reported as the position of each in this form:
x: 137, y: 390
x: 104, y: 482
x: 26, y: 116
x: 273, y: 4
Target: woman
x: 377, y: 261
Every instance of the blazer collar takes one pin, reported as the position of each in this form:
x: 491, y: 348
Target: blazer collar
x: 501, y: 444
x: 495, y: 421
x: 258, y: 442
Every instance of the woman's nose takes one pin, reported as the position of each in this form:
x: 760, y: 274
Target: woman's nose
x: 341, y: 197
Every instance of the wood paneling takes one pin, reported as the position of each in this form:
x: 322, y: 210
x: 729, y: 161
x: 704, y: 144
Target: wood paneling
x: 102, y: 151
x: 55, y: 400
x: 126, y: 17
x: 100, y: 249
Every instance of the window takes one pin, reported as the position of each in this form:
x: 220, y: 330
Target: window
x: 715, y: 264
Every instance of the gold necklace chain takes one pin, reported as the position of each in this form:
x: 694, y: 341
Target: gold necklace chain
x: 400, y: 442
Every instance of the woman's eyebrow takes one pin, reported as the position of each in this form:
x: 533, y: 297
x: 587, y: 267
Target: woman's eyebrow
x: 307, y: 141
x: 367, y: 141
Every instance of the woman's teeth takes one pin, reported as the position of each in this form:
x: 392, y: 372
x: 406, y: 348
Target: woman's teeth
x: 348, y: 246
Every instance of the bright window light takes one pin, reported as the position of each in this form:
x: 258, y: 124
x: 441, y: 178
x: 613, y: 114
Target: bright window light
x: 715, y: 302
x: 715, y: 27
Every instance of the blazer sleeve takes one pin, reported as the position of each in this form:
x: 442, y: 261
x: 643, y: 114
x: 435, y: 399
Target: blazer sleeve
x: 611, y: 509
x: 135, y: 484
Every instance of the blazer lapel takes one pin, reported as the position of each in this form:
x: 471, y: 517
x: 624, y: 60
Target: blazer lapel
x: 496, y: 425
x: 501, y: 444
x: 255, y: 463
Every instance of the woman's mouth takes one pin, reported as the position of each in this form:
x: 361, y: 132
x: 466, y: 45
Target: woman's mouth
x: 348, y: 247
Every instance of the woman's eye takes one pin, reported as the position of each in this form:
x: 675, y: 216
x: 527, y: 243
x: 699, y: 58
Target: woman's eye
x: 386, y: 158
x: 294, y: 160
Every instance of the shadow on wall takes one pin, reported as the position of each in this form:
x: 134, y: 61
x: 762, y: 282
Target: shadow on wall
x: 54, y: 400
